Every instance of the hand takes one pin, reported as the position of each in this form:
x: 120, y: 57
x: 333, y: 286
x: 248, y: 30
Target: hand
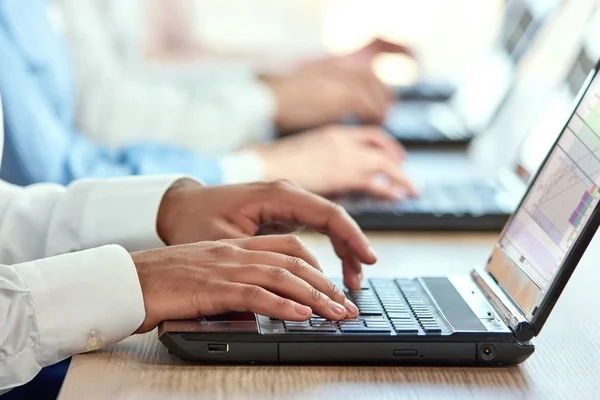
x: 193, y: 213
x: 339, y: 159
x: 306, y: 100
x: 361, y: 59
x: 274, y: 276
x: 333, y: 88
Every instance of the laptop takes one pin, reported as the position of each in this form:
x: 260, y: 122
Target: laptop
x: 486, y: 317
x: 559, y: 101
x: 474, y: 104
x: 479, y: 189
x: 515, y: 22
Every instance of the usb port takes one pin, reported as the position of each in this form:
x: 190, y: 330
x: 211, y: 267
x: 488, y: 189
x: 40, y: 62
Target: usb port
x: 218, y: 347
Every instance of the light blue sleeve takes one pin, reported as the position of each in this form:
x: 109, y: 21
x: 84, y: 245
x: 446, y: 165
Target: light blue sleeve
x: 40, y: 147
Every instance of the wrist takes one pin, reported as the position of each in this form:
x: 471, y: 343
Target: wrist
x: 276, y: 86
x: 167, y: 217
x: 142, y: 261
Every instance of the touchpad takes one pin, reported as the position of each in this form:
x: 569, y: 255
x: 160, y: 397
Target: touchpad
x: 229, y: 322
x: 230, y: 317
x: 453, y: 306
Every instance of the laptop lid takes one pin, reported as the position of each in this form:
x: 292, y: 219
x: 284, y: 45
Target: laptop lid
x: 488, y: 83
x: 551, y: 228
x: 559, y: 102
x: 521, y: 21
x: 497, y: 151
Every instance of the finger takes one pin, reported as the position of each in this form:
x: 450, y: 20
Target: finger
x: 289, y: 203
x: 362, y: 103
x: 376, y: 137
x: 277, y: 229
x: 378, y: 46
x: 290, y: 285
x: 375, y: 165
x: 382, y: 189
x: 353, y: 276
x: 380, y: 95
x: 351, y: 266
x: 397, y: 177
x: 370, y: 102
x: 290, y: 253
x: 242, y: 297
x: 271, y: 250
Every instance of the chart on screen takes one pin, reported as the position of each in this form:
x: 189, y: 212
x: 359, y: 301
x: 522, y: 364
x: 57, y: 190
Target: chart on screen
x: 563, y: 197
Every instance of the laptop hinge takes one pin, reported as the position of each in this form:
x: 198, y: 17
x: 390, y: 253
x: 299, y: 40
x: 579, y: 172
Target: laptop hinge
x: 522, y: 329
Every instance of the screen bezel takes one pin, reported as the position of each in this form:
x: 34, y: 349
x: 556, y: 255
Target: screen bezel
x: 499, y: 262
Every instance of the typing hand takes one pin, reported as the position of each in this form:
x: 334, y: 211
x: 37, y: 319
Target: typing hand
x: 361, y: 59
x: 329, y: 89
x: 194, y: 213
x: 339, y: 159
x: 270, y: 275
x: 326, y: 94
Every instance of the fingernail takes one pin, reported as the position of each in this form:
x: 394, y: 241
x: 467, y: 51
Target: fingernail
x: 303, y: 310
x: 352, y: 309
x: 336, y: 308
x: 371, y: 252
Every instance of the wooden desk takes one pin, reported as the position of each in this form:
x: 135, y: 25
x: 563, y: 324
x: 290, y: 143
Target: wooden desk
x: 566, y: 364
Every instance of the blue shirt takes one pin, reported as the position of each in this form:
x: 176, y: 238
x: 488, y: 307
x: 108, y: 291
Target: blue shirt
x: 42, y: 143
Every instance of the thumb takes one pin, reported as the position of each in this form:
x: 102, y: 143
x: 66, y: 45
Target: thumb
x: 378, y: 46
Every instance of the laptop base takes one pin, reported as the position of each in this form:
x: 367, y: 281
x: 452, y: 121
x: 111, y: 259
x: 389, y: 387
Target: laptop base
x: 248, y: 348
x: 402, y: 321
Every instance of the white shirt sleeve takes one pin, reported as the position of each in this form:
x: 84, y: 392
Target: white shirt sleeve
x: 119, y: 104
x: 242, y: 167
x: 51, y: 308
x: 45, y: 219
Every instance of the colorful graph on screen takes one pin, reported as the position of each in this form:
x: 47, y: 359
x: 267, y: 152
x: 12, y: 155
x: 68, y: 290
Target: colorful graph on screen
x: 562, y: 198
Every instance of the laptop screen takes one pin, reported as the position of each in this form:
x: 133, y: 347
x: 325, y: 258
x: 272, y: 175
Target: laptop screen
x: 536, y: 244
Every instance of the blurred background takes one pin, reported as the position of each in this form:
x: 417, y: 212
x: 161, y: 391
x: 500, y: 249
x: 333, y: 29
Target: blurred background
x: 447, y: 35
x: 390, y: 99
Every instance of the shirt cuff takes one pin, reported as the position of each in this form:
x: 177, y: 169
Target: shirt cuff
x: 83, y: 301
x: 120, y: 210
x: 263, y: 95
x: 242, y: 167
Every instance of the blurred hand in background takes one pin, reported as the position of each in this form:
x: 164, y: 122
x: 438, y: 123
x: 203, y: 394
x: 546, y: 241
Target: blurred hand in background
x: 337, y: 159
x: 333, y: 89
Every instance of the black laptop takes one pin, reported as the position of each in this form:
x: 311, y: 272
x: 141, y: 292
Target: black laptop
x: 473, y: 105
x: 486, y: 317
x: 478, y: 190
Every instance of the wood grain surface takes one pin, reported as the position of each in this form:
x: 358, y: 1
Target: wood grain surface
x: 566, y: 364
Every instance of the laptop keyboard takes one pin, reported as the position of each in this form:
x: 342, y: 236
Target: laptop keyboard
x: 386, y: 306
x: 470, y: 197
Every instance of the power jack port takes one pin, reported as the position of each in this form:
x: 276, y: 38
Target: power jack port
x: 487, y: 352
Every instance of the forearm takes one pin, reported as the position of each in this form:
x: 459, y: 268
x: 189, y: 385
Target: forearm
x: 214, y: 110
x: 44, y: 220
x: 213, y: 117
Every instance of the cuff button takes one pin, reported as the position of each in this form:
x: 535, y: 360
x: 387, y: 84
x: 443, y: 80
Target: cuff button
x: 93, y: 342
